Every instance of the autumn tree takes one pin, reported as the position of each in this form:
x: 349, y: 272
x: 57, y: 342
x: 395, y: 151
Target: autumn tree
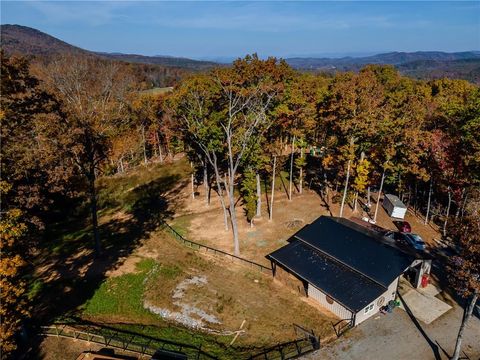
x: 238, y: 100
x: 452, y: 130
x: 248, y: 191
x: 296, y: 117
x: 14, y: 306
x: 29, y: 160
x: 143, y: 110
x: 194, y: 106
x: 352, y: 110
x: 360, y: 182
x: 465, y: 268
x: 92, y: 94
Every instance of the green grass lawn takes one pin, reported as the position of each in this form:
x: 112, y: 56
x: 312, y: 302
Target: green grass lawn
x: 157, y: 90
x: 122, y: 295
x: 120, y: 299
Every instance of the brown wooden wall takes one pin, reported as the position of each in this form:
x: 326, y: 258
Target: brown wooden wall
x: 289, y: 279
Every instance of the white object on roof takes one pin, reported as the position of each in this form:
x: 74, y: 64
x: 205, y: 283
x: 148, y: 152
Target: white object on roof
x: 394, y: 206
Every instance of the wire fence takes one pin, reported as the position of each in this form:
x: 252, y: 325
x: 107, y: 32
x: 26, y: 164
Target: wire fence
x: 216, y: 252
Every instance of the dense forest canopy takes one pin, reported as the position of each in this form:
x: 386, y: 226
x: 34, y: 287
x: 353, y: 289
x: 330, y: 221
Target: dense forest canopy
x: 71, y: 121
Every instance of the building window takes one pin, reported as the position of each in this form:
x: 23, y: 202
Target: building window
x: 381, y: 301
x: 329, y: 300
x: 368, y: 308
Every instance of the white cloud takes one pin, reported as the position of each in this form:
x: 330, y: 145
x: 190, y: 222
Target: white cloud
x: 243, y: 16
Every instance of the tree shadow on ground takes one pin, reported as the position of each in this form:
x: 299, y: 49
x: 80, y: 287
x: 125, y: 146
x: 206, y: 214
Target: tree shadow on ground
x: 71, y: 277
x: 434, y: 346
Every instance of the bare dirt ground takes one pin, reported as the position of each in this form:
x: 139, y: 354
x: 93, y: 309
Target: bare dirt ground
x: 205, y: 224
x: 220, y: 295
x: 56, y: 348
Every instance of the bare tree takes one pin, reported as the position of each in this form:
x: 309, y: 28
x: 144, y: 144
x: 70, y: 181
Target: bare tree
x: 270, y: 215
x: 92, y: 93
x: 246, y: 119
x: 223, y: 114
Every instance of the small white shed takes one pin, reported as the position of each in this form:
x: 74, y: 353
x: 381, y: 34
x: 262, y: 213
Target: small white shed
x: 394, y: 206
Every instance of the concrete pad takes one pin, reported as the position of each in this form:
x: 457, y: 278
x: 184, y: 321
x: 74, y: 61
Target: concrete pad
x: 424, y: 307
x: 430, y: 290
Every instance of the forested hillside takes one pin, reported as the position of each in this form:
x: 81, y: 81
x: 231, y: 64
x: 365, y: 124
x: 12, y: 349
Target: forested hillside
x: 155, y: 71
x: 165, y: 70
x: 421, y: 65
x: 81, y: 119
x: 23, y: 40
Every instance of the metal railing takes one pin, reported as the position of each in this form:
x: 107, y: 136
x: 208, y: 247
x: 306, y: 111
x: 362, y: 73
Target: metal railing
x: 210, y: 250
x: 342, y: 326
x: 126, y: 341
x: 285, y: 351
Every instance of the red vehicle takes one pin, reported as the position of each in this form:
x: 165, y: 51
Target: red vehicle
x: 403, y: 226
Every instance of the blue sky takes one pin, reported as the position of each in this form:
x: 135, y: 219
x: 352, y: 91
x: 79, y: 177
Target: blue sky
x: 210, y: 29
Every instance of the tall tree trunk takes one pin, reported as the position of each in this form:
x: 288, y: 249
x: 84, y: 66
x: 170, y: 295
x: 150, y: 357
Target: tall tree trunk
x: 466, y: 316
x: 464, y: 203
x: 220, y: 194
x: 448, y: 211
x: 459, y: 204
x: 233, y: 214
x: 415, y: 197
x: 144, y: 143
x: 301, y: 173
x: 259, y: 197
x: 224, y: 207
x: 290, y: 183
x: 193, y: 180
x: 205, y: 183
x: 429, y: 201
x: 159, y: 148
x: 270, y: 214
x: 355, y: 201
x: 368, y: 197
x: 400, y: 187
x: 93, y: 208
x: 379, y: 196
x: 345, y: 189
x: 121, y: 165
x: 327, y: 192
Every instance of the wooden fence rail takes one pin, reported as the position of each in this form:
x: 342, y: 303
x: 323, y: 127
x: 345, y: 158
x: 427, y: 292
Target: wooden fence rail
x: 208, y: 249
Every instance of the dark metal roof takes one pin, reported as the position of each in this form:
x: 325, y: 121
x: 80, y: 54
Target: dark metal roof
x: 357, y: 247
x: 350, y: 263
x: 347, y: 287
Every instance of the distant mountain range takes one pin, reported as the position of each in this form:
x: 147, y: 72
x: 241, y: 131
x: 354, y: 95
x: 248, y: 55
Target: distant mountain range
x: 422, y: 64
x: 26, y: 41
x: 392, y: 58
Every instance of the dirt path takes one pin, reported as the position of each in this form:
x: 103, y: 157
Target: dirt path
x: 205, y: 224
